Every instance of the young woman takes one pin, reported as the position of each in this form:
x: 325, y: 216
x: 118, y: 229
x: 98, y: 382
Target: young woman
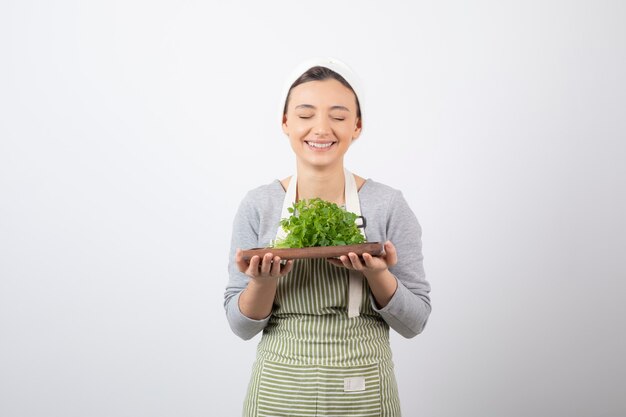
x: 325, y: 345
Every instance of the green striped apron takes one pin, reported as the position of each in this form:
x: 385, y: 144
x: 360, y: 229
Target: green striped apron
x: 314, y: 359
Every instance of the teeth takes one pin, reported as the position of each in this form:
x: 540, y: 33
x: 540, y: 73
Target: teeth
x: 320, y: 145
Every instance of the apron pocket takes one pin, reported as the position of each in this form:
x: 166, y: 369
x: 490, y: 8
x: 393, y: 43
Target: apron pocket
x: 350, y: 390
x: 309, y: 390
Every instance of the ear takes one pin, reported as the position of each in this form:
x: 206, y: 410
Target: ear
x: 285, y: 124
x: 357, y: 129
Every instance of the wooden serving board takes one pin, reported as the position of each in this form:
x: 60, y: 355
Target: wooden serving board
x: 373, y: 248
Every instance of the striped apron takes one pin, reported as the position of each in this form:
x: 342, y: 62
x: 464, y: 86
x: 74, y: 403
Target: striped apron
x: 315, y: 359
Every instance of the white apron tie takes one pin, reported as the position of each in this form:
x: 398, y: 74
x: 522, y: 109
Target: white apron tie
x: 355, y: 285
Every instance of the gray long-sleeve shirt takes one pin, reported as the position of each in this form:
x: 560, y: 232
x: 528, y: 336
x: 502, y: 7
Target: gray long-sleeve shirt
x: 388, y: 217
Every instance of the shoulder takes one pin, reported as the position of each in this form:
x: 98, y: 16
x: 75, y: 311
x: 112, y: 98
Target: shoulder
x: 271, y: 188
x: 374, y: 190
x: 383, y: 200
x: 262, y: 199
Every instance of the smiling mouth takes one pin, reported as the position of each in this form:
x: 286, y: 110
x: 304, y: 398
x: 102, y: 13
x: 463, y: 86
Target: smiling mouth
x: 320, y: 145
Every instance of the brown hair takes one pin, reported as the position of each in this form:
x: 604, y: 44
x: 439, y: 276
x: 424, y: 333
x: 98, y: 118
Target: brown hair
x: 320, y: 74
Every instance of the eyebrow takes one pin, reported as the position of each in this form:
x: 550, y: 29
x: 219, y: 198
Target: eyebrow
x: 309, y: 106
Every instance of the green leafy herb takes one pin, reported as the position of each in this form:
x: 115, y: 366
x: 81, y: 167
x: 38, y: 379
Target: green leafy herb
x: 317, y: 222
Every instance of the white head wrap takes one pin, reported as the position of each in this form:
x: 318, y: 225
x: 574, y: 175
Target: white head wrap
x: 330, y: 63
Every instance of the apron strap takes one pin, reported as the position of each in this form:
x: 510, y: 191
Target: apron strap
x: 355, y: 283
x: 290, y: 198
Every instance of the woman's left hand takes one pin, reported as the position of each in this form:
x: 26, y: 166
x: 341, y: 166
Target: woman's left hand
x: 370, y: 264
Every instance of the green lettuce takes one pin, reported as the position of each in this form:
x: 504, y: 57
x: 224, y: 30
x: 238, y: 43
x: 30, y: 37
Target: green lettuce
x: 316, y: 222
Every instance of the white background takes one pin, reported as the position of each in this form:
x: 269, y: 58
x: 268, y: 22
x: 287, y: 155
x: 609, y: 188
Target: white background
x: 130, y: 131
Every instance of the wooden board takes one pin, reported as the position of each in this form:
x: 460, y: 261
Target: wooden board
x: 373, y: 248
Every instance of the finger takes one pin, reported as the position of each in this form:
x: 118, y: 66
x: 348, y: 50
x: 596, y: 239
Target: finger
x: 267, y: 264
x: 275, y: 271
x: 356, y: 262
x: 253, y: 268
x: 345, y: 261
x: 391, y: 255
x: 369, y: 260
x: 287, y: 268
x: 335, y: 261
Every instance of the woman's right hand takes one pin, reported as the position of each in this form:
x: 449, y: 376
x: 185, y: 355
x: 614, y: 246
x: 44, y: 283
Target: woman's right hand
x: 257, y: 298
x: 262, y: 269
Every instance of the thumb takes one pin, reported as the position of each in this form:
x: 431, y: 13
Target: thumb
x: 391, y: 255
x: 241, y: 263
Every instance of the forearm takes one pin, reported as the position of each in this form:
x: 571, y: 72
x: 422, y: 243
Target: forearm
x: 256, y: 300
x: 383, y: 285
x: 406, y: 312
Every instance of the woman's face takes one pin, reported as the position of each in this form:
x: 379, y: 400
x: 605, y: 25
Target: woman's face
x: 321, y: 122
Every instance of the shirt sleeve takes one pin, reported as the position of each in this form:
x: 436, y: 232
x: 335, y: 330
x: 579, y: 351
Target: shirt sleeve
x: 245, y: 235
x: 409, y: 308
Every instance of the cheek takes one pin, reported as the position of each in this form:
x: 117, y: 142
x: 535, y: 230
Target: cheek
x: 296, y: 135
x: 345, y: 130
x: 299, y: 129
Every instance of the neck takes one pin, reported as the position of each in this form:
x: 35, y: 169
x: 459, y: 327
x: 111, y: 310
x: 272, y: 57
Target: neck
x: 326, y: 183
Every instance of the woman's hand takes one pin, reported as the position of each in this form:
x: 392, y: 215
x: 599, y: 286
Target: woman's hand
x: 262, y: 269
x: 383, y: 284
x: 257, y: 298
x: 370, y: 264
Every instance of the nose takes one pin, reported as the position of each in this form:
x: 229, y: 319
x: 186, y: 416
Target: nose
x: 322, y: 128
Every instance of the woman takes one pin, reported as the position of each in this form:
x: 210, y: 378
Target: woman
x: 325, y: 344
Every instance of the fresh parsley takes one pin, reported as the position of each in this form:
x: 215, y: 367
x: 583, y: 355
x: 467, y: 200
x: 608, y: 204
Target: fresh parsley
x: 316, y: 222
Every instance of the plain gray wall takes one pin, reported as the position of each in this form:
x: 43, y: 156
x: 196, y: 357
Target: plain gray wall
x: 130, y: 131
